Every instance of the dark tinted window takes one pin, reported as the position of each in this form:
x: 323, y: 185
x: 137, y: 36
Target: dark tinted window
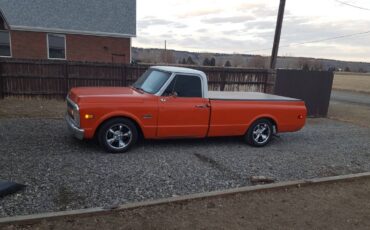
x: 57, y: 48
x: 5, y: 44
x: 185, y: 86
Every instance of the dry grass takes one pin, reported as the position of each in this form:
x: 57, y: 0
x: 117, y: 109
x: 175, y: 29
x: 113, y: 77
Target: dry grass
x: 36, y: 107
x: 352, y: 81
x: 356, y: 114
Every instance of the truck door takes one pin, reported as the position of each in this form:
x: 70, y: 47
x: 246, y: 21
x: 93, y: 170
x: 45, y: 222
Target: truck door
x: 183, y: 112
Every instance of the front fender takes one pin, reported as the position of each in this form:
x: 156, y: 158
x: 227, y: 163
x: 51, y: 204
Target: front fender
x: 108, y: 116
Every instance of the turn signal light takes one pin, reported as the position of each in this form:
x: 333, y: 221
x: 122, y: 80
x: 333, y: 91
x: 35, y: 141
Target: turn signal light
x: 89, y: 116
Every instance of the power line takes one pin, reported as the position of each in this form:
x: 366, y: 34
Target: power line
x: 314, y: 41
x: 348, y: 4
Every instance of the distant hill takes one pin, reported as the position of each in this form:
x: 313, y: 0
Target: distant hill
x: 244, y: 60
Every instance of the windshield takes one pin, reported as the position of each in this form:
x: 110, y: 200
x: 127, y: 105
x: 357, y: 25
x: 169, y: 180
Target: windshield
x: 152, y: 81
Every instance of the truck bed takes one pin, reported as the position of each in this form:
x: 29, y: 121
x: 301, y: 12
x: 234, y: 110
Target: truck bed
x: 247, y: 96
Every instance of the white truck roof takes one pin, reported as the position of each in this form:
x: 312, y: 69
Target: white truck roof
x: 174, y: 69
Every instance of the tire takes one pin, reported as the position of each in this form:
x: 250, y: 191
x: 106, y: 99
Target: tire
x: 259, y: 133
x: 117, y: 135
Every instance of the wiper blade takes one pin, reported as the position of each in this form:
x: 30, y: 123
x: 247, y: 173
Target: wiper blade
x: 138, y: 89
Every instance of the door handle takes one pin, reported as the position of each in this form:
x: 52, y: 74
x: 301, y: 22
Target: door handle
x: 201, y: 106
x: 163, y: 99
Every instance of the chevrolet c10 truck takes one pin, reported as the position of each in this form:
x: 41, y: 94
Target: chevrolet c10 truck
x: 174, y: 102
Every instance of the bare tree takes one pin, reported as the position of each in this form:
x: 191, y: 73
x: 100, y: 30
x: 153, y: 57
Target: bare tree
x: 238, y: 60
x: 258, y: 62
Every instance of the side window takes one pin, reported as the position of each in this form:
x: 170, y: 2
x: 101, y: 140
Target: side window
x: 185, y: 86
x: 5, y: 50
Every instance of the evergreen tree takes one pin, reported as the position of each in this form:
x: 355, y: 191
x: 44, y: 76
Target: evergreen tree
x: 206, y: 62
x: 190, y: 61
x: 227, y: 64
x: 212, y: 62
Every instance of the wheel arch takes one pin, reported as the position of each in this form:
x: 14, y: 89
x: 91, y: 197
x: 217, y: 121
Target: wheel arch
x: 271, y: 118
x: 113, y: 116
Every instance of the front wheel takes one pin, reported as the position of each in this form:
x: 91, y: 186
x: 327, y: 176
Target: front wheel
x: 259, y: 133
x: 117, y: 135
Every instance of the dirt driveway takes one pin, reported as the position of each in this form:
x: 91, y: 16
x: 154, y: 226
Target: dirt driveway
x: 342, y: 205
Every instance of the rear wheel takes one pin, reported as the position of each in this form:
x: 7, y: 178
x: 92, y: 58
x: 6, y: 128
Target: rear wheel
x: 117, y: 135
x: 259, y: 133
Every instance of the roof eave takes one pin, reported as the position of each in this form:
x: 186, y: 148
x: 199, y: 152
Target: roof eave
x: 79, y: 32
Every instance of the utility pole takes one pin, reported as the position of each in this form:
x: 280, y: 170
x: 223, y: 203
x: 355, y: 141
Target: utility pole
x: 279, y: 25
x: 165, y: 51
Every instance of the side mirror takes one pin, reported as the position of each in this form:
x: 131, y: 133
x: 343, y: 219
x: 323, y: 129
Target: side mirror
x: 174, y: 94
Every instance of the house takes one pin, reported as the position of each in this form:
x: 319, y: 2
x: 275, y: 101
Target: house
x: 72, y: 30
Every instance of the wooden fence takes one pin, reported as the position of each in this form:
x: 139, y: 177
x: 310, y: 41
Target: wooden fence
x: 53, y: 79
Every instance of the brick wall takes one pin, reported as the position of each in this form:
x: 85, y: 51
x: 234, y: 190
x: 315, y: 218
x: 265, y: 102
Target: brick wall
x: 33, y: 45
x: 94, y: 48
x: 28, y: 45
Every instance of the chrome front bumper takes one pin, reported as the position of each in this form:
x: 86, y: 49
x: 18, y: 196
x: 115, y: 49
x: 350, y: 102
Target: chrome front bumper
x: 77, y: 132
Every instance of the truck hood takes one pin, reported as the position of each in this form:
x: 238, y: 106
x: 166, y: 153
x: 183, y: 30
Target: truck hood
x: 101, y: 94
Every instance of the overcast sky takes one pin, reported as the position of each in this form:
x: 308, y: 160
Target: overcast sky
x: 242, y: 26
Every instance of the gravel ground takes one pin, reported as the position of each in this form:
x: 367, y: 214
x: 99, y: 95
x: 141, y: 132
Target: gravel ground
x: 62, y: 173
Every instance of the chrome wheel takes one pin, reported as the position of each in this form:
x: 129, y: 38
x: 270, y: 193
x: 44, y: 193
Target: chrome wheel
x: 118, y: 136
x: 261, y: 133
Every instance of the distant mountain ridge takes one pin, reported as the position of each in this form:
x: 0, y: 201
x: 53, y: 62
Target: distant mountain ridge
x: 152, y: 55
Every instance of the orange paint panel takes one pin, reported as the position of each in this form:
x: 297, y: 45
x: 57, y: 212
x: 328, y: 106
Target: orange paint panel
x: 183, y: 117
x: 232, y: 118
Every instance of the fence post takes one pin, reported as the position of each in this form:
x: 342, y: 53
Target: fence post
x: 124, y: 75
x: 223, y: 80
x: 66, y: 78
x: 1, y: 81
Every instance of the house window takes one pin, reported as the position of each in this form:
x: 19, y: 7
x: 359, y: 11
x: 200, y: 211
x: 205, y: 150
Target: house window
x: 56, y: 46
x: 5, y: 44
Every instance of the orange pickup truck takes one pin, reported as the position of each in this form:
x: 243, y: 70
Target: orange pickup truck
x: 174, y: 102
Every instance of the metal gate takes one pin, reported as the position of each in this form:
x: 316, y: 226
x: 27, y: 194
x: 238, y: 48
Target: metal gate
x: 314, y: 87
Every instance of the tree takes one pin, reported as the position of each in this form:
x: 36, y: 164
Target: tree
x: 212, y: 62
x: 317, y: 65
x: 306, y: 67
x: 303, y: 64
x: 206, y: 62
x: 361, y: 70
x: 257, y: 62
x: 167, y: 56
x: 347, y: 69
x: 227, y: 64
x: 190, y: 61
x: 183, y: 61
x: 238, y: 60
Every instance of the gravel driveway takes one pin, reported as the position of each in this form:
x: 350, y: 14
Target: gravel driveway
x: 350, y: 97
x: 62, y: 173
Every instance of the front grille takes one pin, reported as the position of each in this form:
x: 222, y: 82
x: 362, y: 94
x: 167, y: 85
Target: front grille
x: 70, y: 108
